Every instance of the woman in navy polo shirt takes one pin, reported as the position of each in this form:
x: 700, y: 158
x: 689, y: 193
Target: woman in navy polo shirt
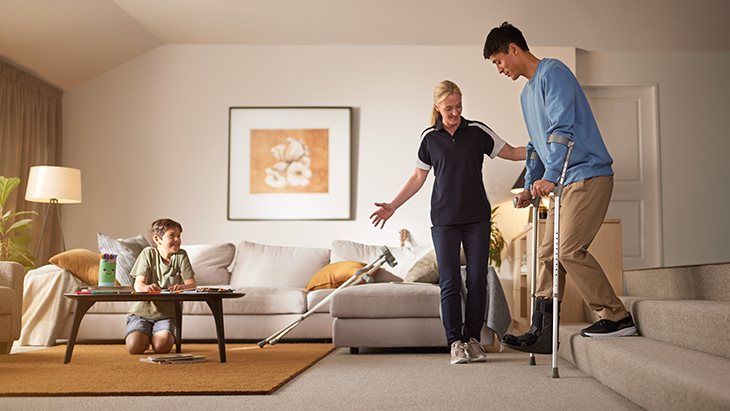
x: 460, y: 213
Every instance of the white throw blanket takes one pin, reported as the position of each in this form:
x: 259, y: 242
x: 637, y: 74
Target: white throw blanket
x: 45, y: 309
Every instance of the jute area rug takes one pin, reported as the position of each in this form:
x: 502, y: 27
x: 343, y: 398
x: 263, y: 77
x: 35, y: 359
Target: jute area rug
x: 110, y: 370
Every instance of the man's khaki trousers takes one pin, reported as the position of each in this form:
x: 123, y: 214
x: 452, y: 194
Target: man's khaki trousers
x: 583, y: 207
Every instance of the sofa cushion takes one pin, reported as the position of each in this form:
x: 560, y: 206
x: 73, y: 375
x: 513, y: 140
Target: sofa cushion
x: 126, y: 250
x: 316, y: 296
x: 83, y: 264
x: 387, y: 300
x: 211, y: 262
x: 343, y: 250
x: 334, y: 275
x: 426, y: 269
x: 259, y: 265
x: 258, y: 300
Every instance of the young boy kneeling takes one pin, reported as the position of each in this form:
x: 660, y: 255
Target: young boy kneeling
x: 164, y: 266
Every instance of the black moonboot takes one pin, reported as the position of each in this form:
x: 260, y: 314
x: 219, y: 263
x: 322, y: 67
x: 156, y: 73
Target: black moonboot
x: 539, y: 340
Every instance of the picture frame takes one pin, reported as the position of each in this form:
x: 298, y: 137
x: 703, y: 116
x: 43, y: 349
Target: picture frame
x: 289, y: 163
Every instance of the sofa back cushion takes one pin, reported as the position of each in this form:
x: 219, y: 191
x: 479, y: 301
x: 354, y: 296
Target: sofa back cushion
x: 343, y: 250
x: 211, y: 262
x: 262, y: 265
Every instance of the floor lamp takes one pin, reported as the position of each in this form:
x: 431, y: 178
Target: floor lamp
x: 53, y: 185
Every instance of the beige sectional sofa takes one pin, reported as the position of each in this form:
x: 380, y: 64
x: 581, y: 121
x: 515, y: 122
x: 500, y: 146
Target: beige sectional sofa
x: 273, y: 278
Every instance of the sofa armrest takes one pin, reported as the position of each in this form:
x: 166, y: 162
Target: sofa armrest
x: 11, y: 276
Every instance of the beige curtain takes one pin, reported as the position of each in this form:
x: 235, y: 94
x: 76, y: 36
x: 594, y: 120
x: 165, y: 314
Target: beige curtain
x: 30, y: 135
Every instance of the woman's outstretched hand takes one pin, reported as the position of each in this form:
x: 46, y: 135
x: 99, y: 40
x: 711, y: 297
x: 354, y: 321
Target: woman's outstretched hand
x: 382, y: 214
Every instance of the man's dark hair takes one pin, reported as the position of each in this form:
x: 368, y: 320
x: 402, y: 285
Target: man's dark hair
x: 499, y: 39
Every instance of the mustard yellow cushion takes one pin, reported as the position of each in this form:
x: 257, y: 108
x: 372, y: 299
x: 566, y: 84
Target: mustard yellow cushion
x: 83, y: 264
x: 334, y: 275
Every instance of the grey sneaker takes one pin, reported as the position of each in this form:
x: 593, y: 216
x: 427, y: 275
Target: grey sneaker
x: 475, y: 351
x: 458, y: 355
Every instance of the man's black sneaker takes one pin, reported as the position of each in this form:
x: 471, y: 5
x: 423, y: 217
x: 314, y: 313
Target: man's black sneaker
x: 606, y: 328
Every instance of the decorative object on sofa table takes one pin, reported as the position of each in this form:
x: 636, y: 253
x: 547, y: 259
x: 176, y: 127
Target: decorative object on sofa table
x: 14, y: 248
x: 107, y: 270
x: 405, y: 235
x: 53, y: 185
x: 289, y: 163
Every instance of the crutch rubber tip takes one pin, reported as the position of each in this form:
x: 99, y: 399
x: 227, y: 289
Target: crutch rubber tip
x: 532, y: 360
x: 262, y: 343
x: 555, y: 373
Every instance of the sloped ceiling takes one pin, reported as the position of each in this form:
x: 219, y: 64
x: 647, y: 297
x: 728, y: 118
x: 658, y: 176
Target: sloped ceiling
x: 71, y: 41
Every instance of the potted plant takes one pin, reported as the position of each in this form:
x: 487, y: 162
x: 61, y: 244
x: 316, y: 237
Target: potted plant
x: 496, y: 242
x: 14, y: 246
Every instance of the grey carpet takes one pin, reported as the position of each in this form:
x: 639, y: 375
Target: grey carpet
x: 390, y: 379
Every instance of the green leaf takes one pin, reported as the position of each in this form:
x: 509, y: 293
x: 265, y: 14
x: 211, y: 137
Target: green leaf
x: 7, y: 185
x: 19, y: 213
x: 19, y: 226
x: 22, y: 240
x: 20, y: 253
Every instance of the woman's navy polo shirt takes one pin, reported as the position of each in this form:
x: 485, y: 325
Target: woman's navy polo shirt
x: 458, y: 195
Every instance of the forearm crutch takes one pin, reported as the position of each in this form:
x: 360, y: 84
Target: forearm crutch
x: 557, y: 192
x: 362, y: 274
x: 535, y: 201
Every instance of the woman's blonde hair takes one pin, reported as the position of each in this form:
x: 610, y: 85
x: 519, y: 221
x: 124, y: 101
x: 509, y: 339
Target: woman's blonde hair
x: 443, y: 90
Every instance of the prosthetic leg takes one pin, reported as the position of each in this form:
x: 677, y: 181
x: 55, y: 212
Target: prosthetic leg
x: 363, y: 274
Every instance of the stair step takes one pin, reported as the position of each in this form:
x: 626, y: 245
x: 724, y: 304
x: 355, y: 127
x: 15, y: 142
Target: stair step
x: 697, y: 282
x: 653, y: 374
x: 694, y: 324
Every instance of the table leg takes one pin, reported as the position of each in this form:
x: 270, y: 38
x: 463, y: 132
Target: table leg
x: 216, y: 307
x: 82, y: 306
x: 178, y: 325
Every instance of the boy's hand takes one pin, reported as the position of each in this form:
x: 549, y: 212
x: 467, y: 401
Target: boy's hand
x: 177, y: 287
x: 153, y: 287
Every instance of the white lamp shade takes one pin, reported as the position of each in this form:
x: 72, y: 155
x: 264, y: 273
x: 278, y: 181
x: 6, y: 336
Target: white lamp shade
x: 49, y: 182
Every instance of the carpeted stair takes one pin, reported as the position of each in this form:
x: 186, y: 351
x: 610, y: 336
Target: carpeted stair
x: 681, y: 358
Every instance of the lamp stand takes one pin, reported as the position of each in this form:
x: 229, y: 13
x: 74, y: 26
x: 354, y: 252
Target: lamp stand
x: 53, y: 202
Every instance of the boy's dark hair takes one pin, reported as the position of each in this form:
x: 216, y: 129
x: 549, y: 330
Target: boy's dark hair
x: 159, y: 227
x: 499, y: 39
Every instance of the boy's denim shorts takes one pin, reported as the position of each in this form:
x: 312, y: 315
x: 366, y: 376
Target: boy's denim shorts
x: 149, y: 327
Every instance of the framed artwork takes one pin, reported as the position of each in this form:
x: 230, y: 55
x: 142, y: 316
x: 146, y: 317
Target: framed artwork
x: 289, y: 163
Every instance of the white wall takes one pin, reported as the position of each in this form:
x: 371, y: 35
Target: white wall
x: 151, y: 136
x: 694, y: 123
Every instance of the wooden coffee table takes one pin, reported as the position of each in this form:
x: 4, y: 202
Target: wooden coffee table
x: 213, y: 298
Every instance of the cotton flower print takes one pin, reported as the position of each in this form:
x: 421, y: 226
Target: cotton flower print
x: 293, y: 167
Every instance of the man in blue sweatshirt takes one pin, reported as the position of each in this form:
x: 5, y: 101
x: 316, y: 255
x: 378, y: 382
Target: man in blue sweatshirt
x: 555, y: 108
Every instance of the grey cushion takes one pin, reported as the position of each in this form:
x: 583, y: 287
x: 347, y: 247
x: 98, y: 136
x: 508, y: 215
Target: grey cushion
x: 387, y: 300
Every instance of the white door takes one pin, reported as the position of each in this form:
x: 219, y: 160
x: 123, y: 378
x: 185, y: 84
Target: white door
x: 627, y: 118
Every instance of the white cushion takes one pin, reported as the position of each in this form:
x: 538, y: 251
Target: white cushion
x: 210, y: 262
x: 343, y: 250
x: 260, y: 265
